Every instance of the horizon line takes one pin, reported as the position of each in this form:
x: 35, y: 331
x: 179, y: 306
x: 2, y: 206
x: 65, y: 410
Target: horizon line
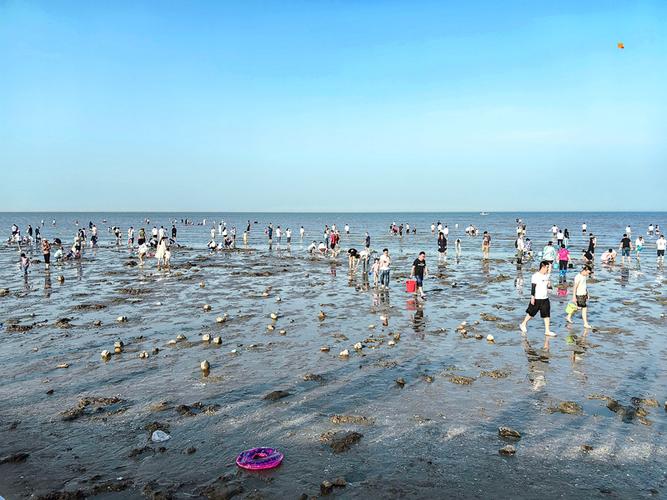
x: 324, y: 212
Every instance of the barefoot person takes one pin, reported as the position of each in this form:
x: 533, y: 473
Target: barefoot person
x: 539, y: 299
x: 580, y: 295
x: 385, y: 264
x: 625, y: 247
x: 660, y: 245
x: 419, y: 270
x: 46, y: 252
x: 486, y: 245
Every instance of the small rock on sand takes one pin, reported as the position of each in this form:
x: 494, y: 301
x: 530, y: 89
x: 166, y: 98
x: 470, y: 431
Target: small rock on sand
x: 508, y: 450
x: 352, y: 419
x: 508, y: 432
x: 276, y: 395
x: 16, y: 458
x: 340, y: 441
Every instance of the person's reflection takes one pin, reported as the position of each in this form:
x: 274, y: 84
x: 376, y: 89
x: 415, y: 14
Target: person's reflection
x: 518, y: 282
x: 625, y: 276
x: 486, y: 268
x: 47, y: 284
x: 418, y: 323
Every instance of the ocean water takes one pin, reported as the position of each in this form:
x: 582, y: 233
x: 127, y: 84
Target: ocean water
x: 430, y: 437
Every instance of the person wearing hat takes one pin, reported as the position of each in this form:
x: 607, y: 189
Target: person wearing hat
x: 580, y: 295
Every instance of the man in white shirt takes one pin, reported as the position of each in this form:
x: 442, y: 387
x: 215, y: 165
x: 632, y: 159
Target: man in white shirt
x: 539, y: 299
x: 661, y: 244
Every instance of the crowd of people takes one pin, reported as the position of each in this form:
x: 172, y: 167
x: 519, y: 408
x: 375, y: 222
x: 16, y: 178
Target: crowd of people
x: 557, y: 251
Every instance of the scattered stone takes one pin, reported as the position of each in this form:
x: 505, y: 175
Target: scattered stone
x: 205, y: 366
x: 217, y: 340
x: 358, y: 346
x: 97, y: 322
x: 16, y: 458
x: 276, y: 395
x: 60, y: 279
x: 99, y: 405
x: 495, y: 374
x: 283, y: 332
x: 391, y: 343
x: 270, y: 328
x: 207, y: 307
x: 106, y: 355
x: 202, y: 284
x: 118, y: 346
x: 400, y: 382
x: 63, y: 323
x: 568, y: 407
x: 313, y: 377
x: 489, y: 317
x: 221, y: 319
x: 136, y: 452
x: 321, y: 316
x: 63, y: 365
x: 326, y: 487
x: 89, y: 307
x: 4, y: 292
x: 206, y: 337
x: 344, y: 353
x: 143, y: 355
x: 508, y: 450
x: 181, y: 338
x: 190, y: 450
x: 490, y: 339
x: 507, y: 432
x: 352, y: 419
x: 427, y: 378
x: 161, y: 406
x: 340, y: 441
x: 586, y: 448
x: 50, y: 392
x: 156, y: 426
x: 325, y: 348
x: 645, y: 402
x: 460, y: 379
x: 274, y: 316
x: 121, y: 319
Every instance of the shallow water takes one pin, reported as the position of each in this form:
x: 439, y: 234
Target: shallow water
x: 428, y: 439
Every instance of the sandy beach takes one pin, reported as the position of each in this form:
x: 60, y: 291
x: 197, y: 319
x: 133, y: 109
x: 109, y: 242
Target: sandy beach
x: 414, y: 410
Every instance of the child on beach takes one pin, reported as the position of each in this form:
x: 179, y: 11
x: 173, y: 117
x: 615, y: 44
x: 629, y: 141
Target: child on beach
x: 24, y: 264
x: 375, y: 269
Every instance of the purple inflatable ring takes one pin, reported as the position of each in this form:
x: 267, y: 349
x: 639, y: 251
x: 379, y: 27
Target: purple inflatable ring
x: 259, y: 459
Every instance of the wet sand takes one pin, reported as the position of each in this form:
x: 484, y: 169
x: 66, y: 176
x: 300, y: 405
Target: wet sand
x: 86, y: 428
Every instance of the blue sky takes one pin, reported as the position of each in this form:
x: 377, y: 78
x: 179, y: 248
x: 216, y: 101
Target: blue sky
x: 341, y: 106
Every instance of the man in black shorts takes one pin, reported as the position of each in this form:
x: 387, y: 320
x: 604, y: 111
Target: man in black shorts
x: 539, y: 299
x: 419, y: 270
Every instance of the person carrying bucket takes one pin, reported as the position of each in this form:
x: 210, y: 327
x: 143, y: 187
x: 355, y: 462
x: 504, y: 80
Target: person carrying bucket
x: 418, y: 272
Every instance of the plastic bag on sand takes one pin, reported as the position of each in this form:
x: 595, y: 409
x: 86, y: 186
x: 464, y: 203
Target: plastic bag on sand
x: 160, y: 436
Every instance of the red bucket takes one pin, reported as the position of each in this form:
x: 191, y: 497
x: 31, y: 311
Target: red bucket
x: 411, y: 286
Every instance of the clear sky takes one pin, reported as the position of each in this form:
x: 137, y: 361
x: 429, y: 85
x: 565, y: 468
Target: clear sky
x: 333, y: 105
